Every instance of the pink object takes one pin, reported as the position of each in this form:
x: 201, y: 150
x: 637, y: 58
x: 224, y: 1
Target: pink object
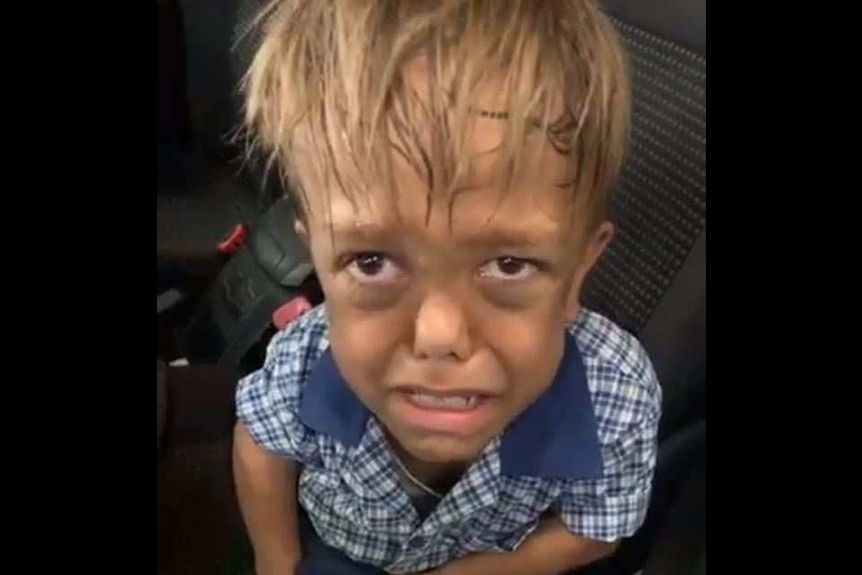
x: 290, y: 311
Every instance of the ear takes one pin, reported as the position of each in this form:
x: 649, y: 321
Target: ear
x: 593, y: 250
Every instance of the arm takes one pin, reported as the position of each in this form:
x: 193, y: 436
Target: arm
x: 550, y: 550
x: 271, y: 445
x: 266, y: 489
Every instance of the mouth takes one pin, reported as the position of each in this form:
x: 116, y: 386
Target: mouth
x: 460, y: 412
x: 448, y: 402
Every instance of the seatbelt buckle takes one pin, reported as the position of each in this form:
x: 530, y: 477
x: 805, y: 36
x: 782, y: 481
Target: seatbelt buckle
x: 290, y: 311
x: 234, y: 241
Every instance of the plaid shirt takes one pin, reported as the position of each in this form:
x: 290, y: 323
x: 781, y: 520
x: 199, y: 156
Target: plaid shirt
x: 584, y: 450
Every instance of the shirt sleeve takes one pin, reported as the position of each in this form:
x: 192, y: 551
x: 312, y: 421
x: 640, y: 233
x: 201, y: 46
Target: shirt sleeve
x: 268, y: 400
x: 615, y: 506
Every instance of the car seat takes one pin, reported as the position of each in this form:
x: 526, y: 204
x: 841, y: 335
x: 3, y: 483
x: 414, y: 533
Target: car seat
x: 207, y: 189
x: 651, y: 280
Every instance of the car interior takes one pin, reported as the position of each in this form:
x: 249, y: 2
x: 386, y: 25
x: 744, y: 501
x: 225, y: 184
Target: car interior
x: 231, y: 271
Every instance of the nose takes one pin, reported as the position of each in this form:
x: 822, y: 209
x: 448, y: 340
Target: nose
x: 441, y: 330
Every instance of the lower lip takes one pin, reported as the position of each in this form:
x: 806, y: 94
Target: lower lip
x: 443, y: 420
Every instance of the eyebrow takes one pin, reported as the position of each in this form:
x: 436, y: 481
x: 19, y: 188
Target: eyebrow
x: 512, y: 237
x: 484, y: 237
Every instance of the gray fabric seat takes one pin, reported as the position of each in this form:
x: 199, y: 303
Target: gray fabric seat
x: 652, y: 279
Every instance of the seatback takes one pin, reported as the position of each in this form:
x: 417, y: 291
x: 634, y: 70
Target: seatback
x: 172, y: 122
x: 652, y: 278
x: 235, y: 313
x: 219, y: 45
x: 213, y: 100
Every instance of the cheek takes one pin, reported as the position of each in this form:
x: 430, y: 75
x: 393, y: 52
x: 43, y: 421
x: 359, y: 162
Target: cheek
x: 364, y: 346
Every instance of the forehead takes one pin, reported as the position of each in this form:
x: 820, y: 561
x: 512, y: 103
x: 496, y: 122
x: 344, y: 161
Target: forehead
x: 482, y: 195
x: 536, y: 202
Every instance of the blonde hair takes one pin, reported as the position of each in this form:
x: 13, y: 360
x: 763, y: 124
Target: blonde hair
x: 328, y: 89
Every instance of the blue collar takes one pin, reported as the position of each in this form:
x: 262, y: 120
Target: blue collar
x: 556, y: 437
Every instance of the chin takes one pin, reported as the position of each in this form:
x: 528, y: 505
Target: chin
x: 438, y: 449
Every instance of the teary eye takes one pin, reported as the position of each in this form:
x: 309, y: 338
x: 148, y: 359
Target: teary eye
x: 372, y: 267
x: 508, y: 268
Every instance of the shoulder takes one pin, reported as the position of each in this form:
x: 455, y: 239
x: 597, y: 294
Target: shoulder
x: 625, y: 390
x: 301, y: 343
x: 626, y: 398
x: 267, y: 400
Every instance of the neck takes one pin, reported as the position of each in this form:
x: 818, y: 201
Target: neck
x: 440, y: 477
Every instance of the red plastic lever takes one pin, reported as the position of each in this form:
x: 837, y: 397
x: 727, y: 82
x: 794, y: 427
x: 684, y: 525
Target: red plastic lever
x: 234, y: 241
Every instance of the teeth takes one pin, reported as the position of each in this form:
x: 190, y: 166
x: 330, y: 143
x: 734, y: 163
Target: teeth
x: 453, y: 402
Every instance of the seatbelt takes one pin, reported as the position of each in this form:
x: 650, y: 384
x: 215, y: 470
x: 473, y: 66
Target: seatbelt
x: 271, y: 269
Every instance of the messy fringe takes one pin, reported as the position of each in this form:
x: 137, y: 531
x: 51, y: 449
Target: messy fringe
x: 327, y: 89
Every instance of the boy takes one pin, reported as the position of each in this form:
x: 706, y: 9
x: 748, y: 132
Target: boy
x: 451, y: 408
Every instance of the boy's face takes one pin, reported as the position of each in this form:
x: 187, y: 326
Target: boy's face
x: 447, y: 324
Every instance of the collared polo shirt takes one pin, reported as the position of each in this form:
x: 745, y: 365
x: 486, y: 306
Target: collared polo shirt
x: 584, y: 450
